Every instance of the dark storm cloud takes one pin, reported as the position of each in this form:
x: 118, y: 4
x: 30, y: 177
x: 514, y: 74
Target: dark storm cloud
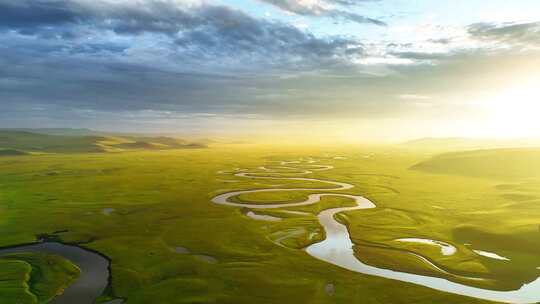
x: 318, y: 10
x: 509, y: 33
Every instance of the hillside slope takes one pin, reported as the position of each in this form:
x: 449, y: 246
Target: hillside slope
x: 451, y: 144
x: 493, y: 163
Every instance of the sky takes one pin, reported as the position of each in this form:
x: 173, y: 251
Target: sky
x: 337, y: 69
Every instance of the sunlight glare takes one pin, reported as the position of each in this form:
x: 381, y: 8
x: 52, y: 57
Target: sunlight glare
x: 514, y: 112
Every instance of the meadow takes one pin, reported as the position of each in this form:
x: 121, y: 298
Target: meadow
x: 150, y: 212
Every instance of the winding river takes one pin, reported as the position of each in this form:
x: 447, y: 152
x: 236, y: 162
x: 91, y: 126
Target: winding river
x: 94, y: 276
x: 337, y: 247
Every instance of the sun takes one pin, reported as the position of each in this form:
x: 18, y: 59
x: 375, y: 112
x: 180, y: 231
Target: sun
x: 515, y: 111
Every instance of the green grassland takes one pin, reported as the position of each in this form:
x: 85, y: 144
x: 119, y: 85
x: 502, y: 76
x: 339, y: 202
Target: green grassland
x: 486, y: 212
x: 28, y: 278
x: 505, y: 164
x: 159, y: 200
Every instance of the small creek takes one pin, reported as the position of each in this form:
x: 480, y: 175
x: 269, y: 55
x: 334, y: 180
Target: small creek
x: 94, y: 267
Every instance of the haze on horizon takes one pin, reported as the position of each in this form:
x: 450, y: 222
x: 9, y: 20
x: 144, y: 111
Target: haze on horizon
x: 343, y: 69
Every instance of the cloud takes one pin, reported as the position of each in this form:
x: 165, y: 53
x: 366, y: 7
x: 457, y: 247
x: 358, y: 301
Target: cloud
x: 327, y: 8
x: 226, y: 33
x: 63, y: 58
x: 512, y: 34
x: 127, y: 17
x: 413, y: 97
x: 26, y: 14
x: 70, y: 56
x: 202, y: 34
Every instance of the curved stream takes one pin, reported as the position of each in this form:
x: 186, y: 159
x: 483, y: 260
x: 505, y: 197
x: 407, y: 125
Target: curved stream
x: 94, y: 270
x: 337, y: 249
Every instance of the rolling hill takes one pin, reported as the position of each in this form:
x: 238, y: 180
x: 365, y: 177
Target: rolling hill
x: 11, y: 152
x: 493, y: 163
x: 60, y: 131
x: 17, y: 142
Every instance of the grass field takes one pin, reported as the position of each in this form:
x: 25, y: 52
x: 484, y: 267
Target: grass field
x: 139, y: 207
x: 34, y: 278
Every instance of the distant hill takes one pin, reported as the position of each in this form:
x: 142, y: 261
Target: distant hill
x: 493, y: 163
x: 442, y: 144
x: 156, y: 137
x: 24, y: 142
x: 431, y: 142
x: 10, y: 152
x: 61, y: 131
